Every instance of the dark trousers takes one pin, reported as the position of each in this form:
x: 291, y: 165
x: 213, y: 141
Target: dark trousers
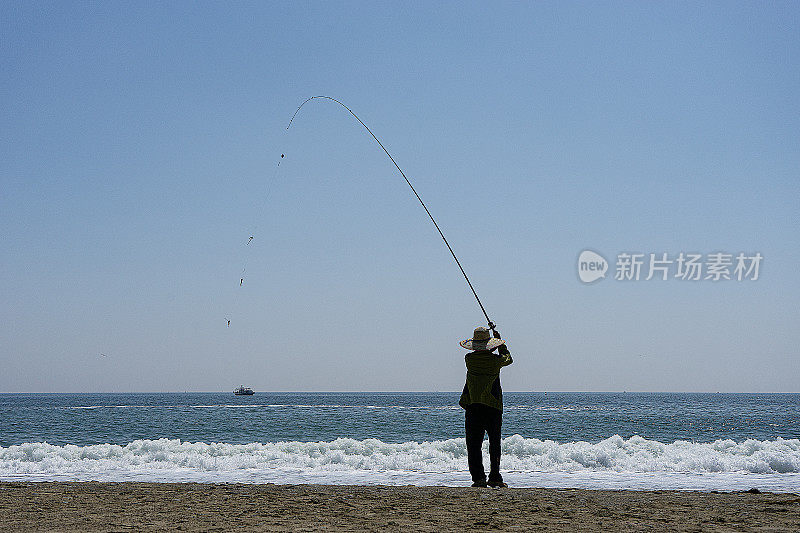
x: 482, y: 419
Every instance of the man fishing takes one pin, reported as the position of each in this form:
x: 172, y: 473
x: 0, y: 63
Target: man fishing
x: 482, y: 397
x: 482, y: 401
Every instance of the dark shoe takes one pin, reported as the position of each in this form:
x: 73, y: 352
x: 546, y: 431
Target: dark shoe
x: 481, y: 484
x: 498, y: 484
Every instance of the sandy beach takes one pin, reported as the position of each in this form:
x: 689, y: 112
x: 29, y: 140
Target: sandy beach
x: 206, y: 507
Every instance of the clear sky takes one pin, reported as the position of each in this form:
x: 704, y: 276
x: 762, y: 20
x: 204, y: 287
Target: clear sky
x: 139, y: 145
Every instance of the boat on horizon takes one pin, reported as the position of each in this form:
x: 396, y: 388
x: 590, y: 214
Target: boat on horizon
x: 243, y: 391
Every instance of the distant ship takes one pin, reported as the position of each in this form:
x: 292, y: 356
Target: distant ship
x: 243, y: 391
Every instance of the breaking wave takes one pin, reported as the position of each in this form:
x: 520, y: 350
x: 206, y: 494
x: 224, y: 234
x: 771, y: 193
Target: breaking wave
x: 310, y: 406
x: 612, y: 455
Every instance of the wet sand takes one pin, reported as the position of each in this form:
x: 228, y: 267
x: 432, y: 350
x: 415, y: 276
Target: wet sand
x: 206, y: 507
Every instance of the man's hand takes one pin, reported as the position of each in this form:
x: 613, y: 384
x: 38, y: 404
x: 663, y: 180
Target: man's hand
x: 503, y: 350
x: 495, y: 334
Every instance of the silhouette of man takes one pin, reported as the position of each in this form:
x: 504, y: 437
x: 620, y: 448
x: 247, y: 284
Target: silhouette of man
x: 482, y: 401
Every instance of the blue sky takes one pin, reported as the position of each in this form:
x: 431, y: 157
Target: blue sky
x: 139, y: 145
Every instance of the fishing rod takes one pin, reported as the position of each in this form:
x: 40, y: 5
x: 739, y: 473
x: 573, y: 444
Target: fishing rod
x: 492, y: 325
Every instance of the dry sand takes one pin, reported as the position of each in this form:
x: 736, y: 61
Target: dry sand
x: 206, y: 507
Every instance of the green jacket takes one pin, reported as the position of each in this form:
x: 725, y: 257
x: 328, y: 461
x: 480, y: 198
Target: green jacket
x: 483, y: 379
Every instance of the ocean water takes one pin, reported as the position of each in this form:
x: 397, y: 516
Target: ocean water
x: 588, y: 440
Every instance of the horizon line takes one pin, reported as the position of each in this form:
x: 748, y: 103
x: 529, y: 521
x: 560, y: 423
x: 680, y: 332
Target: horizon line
x: 401, y: 392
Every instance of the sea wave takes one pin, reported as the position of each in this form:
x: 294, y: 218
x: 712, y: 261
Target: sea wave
x: 265, y: 405
x: 448, y: 407
x: 613, y: 455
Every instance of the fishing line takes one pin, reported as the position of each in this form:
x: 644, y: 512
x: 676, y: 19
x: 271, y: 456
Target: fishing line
x: 491, y: 324
x: 235, y: 302
x: 250, y: 241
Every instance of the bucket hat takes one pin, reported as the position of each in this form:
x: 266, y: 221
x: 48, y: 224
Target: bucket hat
x: 481, y: 340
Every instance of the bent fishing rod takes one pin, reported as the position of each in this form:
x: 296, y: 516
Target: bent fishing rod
x: 492, y: 325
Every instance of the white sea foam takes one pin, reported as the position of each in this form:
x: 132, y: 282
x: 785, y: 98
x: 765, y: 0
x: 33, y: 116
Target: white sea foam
x: 320, y: 406
x: 612, y: 463
x: 274, y: 405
